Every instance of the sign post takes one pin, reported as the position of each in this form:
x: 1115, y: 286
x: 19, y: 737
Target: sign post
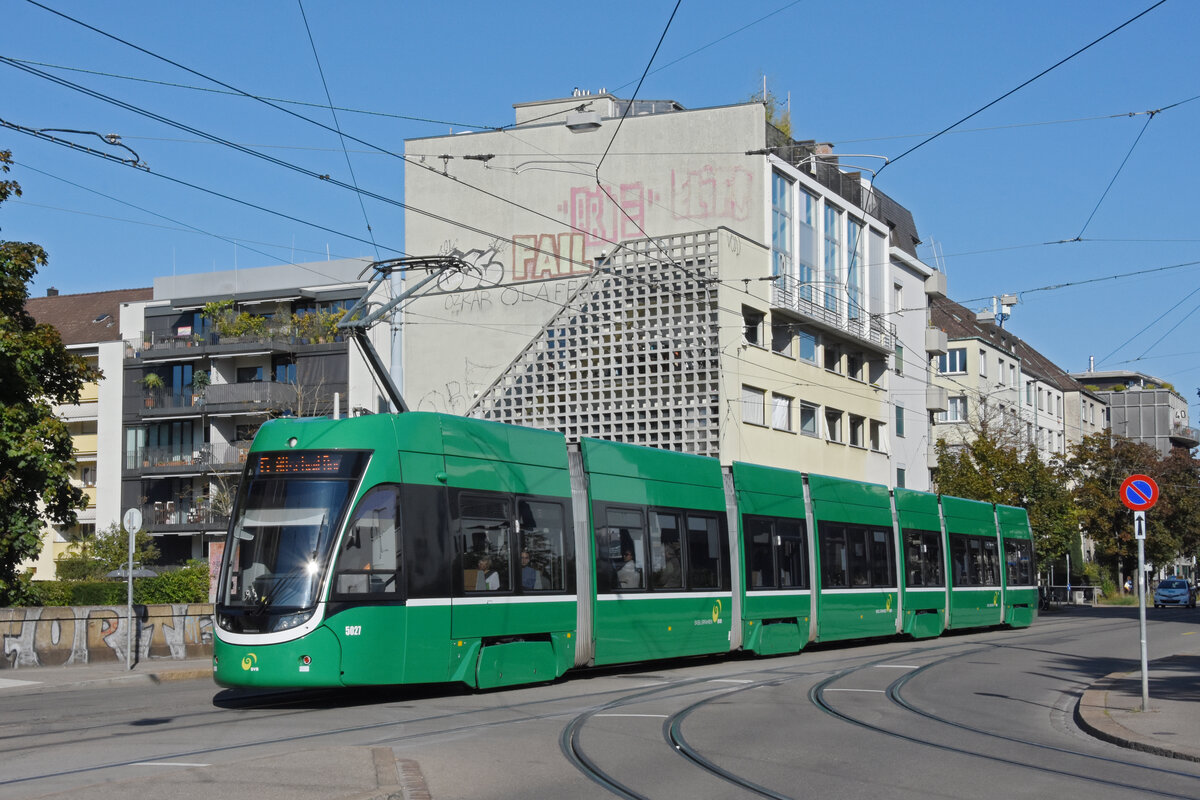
x: 133, y: 523
x: 1139, y: 493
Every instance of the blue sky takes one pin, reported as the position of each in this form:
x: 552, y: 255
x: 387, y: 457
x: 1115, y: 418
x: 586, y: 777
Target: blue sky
x: 998, y: 201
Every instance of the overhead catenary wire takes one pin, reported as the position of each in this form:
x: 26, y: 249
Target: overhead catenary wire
x: 341, y: 138
x: 1021, y: 86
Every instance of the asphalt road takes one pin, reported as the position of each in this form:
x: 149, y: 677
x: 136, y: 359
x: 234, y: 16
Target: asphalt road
x: 983, y: 715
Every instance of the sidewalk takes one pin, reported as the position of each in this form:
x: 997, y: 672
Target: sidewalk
x: 1111, y: 709
x: 108, y: 673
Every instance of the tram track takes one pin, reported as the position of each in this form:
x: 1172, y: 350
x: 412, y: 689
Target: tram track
x: 817, y: 695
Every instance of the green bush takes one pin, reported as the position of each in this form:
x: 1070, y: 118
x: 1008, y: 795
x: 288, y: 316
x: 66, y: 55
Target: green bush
x: 97, y: 593
x: 187, y: 585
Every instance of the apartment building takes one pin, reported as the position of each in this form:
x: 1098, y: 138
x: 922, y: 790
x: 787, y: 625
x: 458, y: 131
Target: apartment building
x: 998, y: 383
x: 695, y: 280
x: 89, y: 325
x: 1143, y: 408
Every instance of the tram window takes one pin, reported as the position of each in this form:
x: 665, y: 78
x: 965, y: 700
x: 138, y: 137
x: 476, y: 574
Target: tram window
x: 1018, y: 555
x: 666, y: 568
x: 856, y: 556
x: 485, y: 529
x: 620, y: 551
x: 760, y: 566
x: 882, y: 572
x: 704, y: 553
x: 542, y: 565
x: 923, y: 558
x: 975, y: 560
x: 776, y: 553
x: 835, y: 569
x: 370, y: 556
x: 793, y: 554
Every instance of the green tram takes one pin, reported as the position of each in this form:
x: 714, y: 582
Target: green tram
x: 423, y: 548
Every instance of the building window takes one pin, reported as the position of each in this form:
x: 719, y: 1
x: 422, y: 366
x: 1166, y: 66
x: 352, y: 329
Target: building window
x: 854, y: 246
x: 899, y: 359
x: 900, y: 475
x: 857, y: 431
x: 900, y: 421
x: 781, y: 412
x: 833, y: 424
x: 854, y: 366
x: 1012, y: 376
x: 1029, y: 393
x: 806, y: 255
x: 1000, y: 372
x: 833, y: 254
x: 833, y: 358
x: 753, y: 405
x: 808, y: 346
x: 752, y: 324
x: 808, y: 419
x: 953, y: 361
x: 983, y: 363
x: 957, y: 411
x: 1041, y: 401
x: 781, y: 337
x: 781, y: 225
x: 897, y: 297
x: 876, y: 435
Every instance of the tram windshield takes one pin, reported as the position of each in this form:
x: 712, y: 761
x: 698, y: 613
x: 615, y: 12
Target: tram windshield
x: 289, y: 509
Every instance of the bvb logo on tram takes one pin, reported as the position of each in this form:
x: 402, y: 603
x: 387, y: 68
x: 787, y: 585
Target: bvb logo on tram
x: 250, y: 663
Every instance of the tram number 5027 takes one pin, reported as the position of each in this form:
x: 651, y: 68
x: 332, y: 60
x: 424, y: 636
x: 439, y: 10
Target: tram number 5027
x: 354, y: 630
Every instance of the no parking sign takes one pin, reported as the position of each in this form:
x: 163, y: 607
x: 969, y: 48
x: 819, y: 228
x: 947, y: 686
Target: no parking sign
x: 1139, y: 492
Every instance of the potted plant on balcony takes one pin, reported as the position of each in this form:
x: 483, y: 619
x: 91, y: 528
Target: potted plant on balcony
x: 200, y: 382
x: 153, y: 383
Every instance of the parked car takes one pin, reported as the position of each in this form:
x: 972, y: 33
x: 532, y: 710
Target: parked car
x: 1174, y: 592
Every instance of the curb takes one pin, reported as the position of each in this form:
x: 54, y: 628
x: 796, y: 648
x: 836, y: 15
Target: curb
x: 1093, y: 716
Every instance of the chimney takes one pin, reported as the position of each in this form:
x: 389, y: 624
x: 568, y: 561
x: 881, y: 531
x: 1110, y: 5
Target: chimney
x: 52, y: 292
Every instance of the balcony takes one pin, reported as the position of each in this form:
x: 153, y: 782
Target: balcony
x: 1183, y: 436
x: 154, y: 347
x: 169, y: 461
x: 830, y: 313
x: 936, y: 342
x: 183, y: 516
x: 220, y: 398
x: 937, y: 398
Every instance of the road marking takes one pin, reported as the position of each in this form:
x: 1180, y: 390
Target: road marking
x: 657, y: 716
x: 871, y: 691
x: 896, y: 666
x: 729, y: 680
x: 6, y: 683
x: 167, y: 764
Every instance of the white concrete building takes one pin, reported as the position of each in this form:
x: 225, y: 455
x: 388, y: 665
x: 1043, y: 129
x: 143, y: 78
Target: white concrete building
x: 690, y: 279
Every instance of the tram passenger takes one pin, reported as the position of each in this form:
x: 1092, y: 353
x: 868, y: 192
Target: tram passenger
x: 531, y: 576
x: 671, y: 575
x: 486, y: 579
x: 629, y: 576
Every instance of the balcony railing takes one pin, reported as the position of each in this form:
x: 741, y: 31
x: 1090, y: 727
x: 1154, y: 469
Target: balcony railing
x: 209, y: 455
x: 151, y: 346
x: 198, y: 515
x: 829, y: 310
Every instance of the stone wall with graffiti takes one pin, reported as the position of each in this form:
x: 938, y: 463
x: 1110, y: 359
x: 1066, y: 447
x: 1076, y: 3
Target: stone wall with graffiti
x: 61, y: 636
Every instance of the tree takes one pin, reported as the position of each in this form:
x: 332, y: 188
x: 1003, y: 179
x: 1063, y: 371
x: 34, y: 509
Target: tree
x: 985, y: 468
x: 1099, y: 465
x: 36, y: 450
x: 94, y: 556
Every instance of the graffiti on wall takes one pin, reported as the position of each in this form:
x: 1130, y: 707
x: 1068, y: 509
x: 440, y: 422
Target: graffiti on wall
x: 608, y: 215
x: 712, y: 193
x: 548, y: 255
x: 60, y: 636
x: 456, y: 396
x: 486, y: 267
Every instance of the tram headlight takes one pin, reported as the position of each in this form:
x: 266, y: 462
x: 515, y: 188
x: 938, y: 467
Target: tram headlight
x: 293, y: 620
